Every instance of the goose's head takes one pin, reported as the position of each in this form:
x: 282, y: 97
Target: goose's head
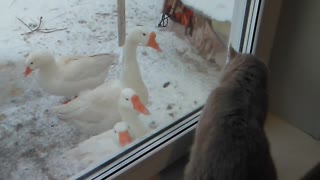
x: 130, y: 101
x: 121, y: 131
x: 140, y: 35
x: 36, y: 60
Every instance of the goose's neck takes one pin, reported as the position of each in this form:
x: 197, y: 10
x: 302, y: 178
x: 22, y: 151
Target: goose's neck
x: 131, y: 117
x: 128, y: 115
x: 48, y: 69
x: 131, y: 71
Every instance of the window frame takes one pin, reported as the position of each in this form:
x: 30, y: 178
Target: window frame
x: 257, y: 20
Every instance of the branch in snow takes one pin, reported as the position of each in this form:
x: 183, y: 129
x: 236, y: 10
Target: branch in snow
x: 37, y: 29
x: 51, y: 30
x: 24, y: 24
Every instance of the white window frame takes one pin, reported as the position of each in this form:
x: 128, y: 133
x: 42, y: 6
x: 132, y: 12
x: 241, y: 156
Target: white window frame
x: 252, y: 34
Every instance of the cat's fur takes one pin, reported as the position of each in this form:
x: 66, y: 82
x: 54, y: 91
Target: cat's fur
x: 313, y: 174
x: 230, y: 142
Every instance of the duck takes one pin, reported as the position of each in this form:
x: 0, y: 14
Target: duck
x: 129, y: 107
x: 68, y: 75
x: 101, y: 145
x: 123, y: 133
x: 100, y: 105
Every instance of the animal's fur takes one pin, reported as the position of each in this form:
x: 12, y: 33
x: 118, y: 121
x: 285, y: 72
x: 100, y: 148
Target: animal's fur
x: 313, y: 174
x: 230, y: 142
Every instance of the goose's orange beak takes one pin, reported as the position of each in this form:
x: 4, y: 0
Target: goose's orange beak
x: 124, y: 138
x: 27, y: 71
x: 152, y: 42
x: 138, y: 106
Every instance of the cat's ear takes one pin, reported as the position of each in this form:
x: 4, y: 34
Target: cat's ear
x: 231, y: 53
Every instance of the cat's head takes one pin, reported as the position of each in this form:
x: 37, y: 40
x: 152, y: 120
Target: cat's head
x: 232, y: 53
x: 239, y: 63
x: 234, y: 57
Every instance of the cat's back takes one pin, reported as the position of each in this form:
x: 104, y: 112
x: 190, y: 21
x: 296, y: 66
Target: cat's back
x: 238, y: 103
x: 230, y: 142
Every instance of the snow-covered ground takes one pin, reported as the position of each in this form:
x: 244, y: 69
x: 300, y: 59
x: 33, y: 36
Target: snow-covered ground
x: 32, y: 140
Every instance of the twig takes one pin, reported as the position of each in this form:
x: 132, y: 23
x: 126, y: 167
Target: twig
x: 53, y: 30
x: 24, y: 24
x: 35, y: 29
x: 38, y: 29
x: 48, y: 29
x: 12, y: 3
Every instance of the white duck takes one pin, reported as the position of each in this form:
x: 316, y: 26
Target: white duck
x: 100, y: 105
x: 100, y: 146
x: 122, y: 133
x: 129, y: 107
x: 68, y: 76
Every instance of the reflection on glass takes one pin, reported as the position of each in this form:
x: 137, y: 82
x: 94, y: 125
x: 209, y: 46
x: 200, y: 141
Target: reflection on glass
x: 51, y: 127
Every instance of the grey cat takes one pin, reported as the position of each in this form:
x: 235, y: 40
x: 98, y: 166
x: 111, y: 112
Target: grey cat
x: 313, y: 174
x: 230, y: 142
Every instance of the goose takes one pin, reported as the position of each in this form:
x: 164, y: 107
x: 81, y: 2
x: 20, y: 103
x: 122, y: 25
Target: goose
x: 129, y: 107
x: 100, y: 105
x: 99, y: 147
x: 69, y: 75
x: 122, y: 134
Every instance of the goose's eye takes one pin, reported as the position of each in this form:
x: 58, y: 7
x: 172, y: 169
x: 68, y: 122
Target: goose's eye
x: 115, y: 131
x: 31, y: 63
x: 127, y: 99
x: 144, y: 34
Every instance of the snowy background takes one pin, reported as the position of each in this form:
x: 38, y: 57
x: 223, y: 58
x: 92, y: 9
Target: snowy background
x: 32, y: 140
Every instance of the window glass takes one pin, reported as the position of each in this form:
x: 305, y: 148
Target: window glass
x: 53, y: 51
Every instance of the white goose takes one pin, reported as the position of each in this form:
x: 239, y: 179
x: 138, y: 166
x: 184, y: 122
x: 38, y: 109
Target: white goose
x: 122, y: 133
x: 100, y: 146
x: 129, y: 107
x: 69, y: 75
x: 97, y: 110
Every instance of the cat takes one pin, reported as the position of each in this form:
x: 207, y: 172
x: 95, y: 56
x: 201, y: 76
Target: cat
x: 230, y: 142
x: 313, y: 174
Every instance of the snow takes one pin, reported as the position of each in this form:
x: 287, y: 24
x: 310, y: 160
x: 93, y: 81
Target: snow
x: 220, y: 10
x: 34, y: 143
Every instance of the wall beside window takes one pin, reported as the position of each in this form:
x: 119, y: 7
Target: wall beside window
x: 294, y: 66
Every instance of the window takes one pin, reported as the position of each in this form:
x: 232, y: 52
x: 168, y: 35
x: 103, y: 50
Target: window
x: 36, y: 142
